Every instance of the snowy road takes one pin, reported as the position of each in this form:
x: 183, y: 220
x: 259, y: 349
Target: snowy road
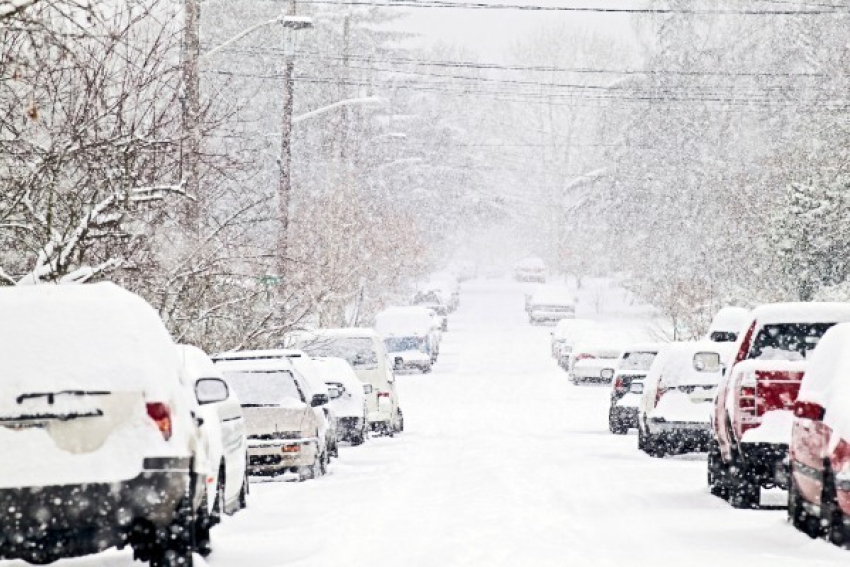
x: 504, y: 464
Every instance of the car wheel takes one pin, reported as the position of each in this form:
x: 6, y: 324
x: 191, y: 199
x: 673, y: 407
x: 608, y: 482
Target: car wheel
x: 832, y: 522
x: 399, y: 422
x: 716, y: 472
x: 641, y: 439
x: 797, y: 514
x: 219, y: 505
x: 243, y: 493
x: 615, y: 425
x: 324, y: 461
x: 655, y: 446
x: 176, y: 551
x: 426, y: 370
x: 743, y: 492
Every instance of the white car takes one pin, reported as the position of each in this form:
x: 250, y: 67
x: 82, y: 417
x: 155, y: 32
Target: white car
x: 728, y: 323
x: 409, y: 352
x: 594, y: 362
x: 410, y: 322
x: 224, y: 425
x: 550, y: 305
x: 99, y: 435
x: 316, y: 386
x: 566, y: 334
x: 677, y: 397
x: 284, y: 428
x: 348, y: 399
x: 364, y: 350
x: 530, y: 270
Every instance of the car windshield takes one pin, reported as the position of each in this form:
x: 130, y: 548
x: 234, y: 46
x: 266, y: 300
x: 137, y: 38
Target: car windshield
x: 637, y: 360
x: 263, y: 387
x: 357, y: 351
x: 790, y: 341
x: 405, y: 344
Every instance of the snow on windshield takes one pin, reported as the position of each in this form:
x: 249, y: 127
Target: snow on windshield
x: 403, y: 344
x: 263, y: 387
x: 637, y: 360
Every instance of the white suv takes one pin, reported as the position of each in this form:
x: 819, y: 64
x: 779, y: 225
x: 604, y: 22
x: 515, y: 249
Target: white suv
x: 99, y: 438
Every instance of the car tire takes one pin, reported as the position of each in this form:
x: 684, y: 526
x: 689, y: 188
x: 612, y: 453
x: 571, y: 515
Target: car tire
x: 743, y: 492
x: 243, y: 492
x: 178, y: 550
x: 797, y: 514
x: 615, y: 425
x: 641, y: 439
x: 832, y: 522
x: 399, y: 422
x: 426, y: 370
x: 716, y: 472
x: 655, y: 446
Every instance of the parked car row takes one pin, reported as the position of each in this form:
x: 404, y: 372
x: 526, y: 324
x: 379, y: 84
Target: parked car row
x: 766, y: 394
x: 121, y: 438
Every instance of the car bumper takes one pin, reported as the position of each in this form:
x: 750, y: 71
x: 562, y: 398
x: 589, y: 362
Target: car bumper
x: 75, y: 520
x: 687, y: 433
x: 767, y: 462
x: 277, y: 457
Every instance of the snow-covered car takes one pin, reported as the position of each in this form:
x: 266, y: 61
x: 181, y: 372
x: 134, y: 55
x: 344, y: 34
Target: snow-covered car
x: 317, y: 387
x: 224, y: 425
x: 414, y: 323
x: 728, y: 323
x: 284, y: 429
x: 550, y: 305
x: 633, y: 366
x: 348, y: 399
x: 753, y: 410
x: 677, y: 398
x: 408, y: 353
x: 364, y: 350
x: 566, y: 334
x: 819, y: 491
x: 594, y: 362
x: 530, y: 270
x: 98, y: 418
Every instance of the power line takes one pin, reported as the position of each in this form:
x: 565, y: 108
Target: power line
x: 601, y: 10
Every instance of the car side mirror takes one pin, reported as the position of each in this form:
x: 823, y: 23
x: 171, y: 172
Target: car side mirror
x: 334, y: 392
x: 319, y: 400
x: 607, y: 374
x: 211, y: 391
x: 368, y: 389
x: 707, y: 362
x: 636, y: 388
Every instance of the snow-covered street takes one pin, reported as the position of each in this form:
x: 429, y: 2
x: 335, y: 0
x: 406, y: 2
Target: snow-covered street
x: 504, y: 462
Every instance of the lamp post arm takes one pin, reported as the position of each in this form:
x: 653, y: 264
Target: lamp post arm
x: 239, y: 36
x: 334, y: 106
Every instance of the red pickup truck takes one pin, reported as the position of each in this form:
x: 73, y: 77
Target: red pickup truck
x: 753, y: 410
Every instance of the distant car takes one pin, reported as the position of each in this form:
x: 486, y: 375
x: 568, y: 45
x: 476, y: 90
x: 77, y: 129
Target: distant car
x: 594, y: 362
x: 414, y: 323
x: 348, y: 399
x: 728, y: 323
x: 284, y: 430
x: 364, y: 350
x: 99, y: 420
x: 677, y: 398
x: 568, y: 332
x: 819, y: 492
x: 550, y: 305
x: 530, y: 270
x: 753, y: 410
x: 409, y: 353
x: 224, y: 423
x: 633, y: 366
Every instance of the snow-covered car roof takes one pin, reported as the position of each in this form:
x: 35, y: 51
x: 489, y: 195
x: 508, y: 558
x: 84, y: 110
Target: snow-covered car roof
x: 600, y: 350
x: 552, y: 295
x: 333, y: 369
x: 643, y: 347
x: 802, y: 312
x: 828, y: 369
x: 403, y: 321
x: 87, y: 337
x: 677, y: 365
x: 730, y: 320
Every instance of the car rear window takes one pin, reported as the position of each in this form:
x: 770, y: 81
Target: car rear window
x: 637, y: 360
x: 789, y: 341
x: 263, y: 387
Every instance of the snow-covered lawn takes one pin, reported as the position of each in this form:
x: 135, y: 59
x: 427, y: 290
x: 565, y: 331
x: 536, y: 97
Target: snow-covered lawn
x: 504, y: 463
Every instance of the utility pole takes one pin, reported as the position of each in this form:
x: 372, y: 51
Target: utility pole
x: 191, y: 113
x: 285, y: 188
x: 344, y: 125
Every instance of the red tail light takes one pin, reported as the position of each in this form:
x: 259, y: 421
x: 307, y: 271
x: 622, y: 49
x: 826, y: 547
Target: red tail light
x: 161, y: 415
x: 808, y: 410
x: 618, y: 385
x: 660, y: 392
x: 747, y: 404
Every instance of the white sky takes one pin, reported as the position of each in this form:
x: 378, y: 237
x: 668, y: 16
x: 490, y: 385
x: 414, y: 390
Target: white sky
x: 491, y: 33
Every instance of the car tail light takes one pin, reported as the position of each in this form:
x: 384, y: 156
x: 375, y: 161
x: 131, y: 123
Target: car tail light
x: 291, y: 449
x: 161, y: 415
x: 660, y: 392
x: 584, y: 356
x: 808, y: 410
x: 619, y: 387
x: 747, y: 404
x: 383, y: 394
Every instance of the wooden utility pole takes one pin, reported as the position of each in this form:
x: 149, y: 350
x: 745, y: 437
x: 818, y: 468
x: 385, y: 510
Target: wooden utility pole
x: 191, y: 113
x: 285, y: 187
